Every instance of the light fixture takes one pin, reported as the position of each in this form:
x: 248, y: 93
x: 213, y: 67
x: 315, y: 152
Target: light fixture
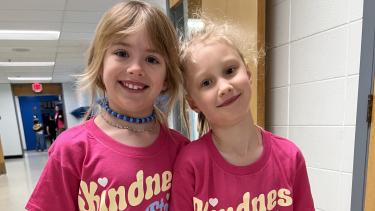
x: 29, y: 78
x: 194, y: 24
x: 28, y: 35
x: 26, y: 64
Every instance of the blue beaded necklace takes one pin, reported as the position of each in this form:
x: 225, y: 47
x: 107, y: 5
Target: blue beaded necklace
x: 104, y: 104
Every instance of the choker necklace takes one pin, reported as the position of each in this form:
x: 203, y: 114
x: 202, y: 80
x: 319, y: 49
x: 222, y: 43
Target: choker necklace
x: 127, y: 127
x: 104, y: 104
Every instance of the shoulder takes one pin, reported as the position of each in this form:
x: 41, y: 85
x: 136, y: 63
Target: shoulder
x: 194, y: 153
x: 176, y: 137
x: 71, y: 143
x: 199, y: 145
x: 76, y: 132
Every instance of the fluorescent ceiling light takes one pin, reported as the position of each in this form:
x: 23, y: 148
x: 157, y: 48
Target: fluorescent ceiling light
x: 28, y: 35
x: 29, y: 78
x: 194, y: 24
x: 26, y: 64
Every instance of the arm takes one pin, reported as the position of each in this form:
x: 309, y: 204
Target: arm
x: 182, y: 186
x: 58, y: 185
x: 301, y: 189
x: 47, y: 129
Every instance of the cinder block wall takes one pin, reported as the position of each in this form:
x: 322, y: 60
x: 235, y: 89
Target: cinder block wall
x: 312, y: 76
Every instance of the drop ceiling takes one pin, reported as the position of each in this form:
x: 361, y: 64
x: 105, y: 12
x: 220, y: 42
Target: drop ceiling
x: 75, y: 19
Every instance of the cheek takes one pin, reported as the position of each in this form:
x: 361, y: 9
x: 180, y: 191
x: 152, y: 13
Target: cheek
x: 163, y: 80
x: 204, y: 101
x: 108, y: 79
x: 105, y: 75
x: 245, y: 80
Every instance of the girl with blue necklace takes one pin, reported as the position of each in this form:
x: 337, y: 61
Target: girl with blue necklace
x: 122, y: 157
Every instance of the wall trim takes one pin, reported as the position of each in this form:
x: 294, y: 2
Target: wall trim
x: 362, y: 134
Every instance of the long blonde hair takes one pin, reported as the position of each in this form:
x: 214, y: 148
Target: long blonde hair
x: 121, y: 20
x: 211, y: 31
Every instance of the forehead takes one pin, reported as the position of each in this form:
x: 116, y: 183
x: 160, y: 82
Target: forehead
x: 132, y: 36
x: 204, y: 55
x: 209, y: 49
x: 138, y: 40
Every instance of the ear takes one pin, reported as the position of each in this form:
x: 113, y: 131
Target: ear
x: 192, y: 104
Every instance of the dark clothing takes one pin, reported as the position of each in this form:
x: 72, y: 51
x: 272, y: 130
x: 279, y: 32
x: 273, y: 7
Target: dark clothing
x: 51, y: 129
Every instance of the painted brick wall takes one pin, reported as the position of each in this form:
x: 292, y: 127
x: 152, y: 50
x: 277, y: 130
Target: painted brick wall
x: 312, y: 83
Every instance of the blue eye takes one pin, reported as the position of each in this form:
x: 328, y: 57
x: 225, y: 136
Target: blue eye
x: 206, y: 83
x: 152, y: 60
x: 121, y: 53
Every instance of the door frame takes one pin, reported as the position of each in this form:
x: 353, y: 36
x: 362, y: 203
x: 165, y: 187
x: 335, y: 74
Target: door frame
x: 362, y: 134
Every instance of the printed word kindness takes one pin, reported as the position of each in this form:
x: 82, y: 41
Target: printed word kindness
x: 118, y: 198
x: 263, y: 202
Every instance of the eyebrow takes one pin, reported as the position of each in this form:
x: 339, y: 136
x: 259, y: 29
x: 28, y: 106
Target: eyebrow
x: 150, y: 50
x: 200, y: 76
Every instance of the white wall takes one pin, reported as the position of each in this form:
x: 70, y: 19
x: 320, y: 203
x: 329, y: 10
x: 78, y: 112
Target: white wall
x: 72, y: 101
x: 312, y: 84
x: 20, y: 122
x: 9, y: 131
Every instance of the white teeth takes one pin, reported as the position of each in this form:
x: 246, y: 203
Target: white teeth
x: 133, y: 86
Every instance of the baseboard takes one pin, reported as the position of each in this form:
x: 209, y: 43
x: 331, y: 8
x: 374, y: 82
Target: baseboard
x: 13, y: 156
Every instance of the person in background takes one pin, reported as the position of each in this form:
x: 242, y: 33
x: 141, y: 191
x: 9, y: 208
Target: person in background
x: 51, y: 128
x: 39, y: 135
x: 59, y: 120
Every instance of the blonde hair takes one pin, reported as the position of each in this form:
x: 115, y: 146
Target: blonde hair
x: 226, y: 32
x: 121, y: 20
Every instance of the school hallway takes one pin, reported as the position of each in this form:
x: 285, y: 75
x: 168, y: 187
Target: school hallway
x: 315, y: 85
x: 21, y: 177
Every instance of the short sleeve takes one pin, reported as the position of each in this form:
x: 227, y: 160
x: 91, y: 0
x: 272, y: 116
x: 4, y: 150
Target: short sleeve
x: 182, y: 185
x: 301, y: 189
x: 58, y: 185
x: 57, y: 189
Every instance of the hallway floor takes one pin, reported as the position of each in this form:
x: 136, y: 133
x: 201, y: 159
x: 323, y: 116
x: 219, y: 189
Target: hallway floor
x: 19, y: 181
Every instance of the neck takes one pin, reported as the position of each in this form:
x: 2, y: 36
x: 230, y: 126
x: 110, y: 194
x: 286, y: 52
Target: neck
x: 240, y: 139
x: 104, y: 104
x: 131, y: 126
x: 126, y: 136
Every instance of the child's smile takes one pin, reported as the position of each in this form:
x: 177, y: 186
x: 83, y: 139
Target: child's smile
x: 229, y: 101
x: 134, y: 86
x: 134, y: 74
x: 218, y: 83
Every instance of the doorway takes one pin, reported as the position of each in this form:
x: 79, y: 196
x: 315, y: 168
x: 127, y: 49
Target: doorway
x: 41, y: 107
x: 34, y: 104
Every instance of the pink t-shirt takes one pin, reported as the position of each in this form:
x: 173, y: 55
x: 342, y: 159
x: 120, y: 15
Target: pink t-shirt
x: 88, y: 170
x: 204, y: 181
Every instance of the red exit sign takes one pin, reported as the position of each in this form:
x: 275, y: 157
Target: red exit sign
x: 37, y: 87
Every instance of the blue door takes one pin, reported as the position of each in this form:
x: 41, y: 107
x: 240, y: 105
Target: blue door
x: 29, y: 106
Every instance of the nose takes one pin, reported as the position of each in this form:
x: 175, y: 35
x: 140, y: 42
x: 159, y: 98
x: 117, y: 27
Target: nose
x: 135, y: 68
x: 225, y: 88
